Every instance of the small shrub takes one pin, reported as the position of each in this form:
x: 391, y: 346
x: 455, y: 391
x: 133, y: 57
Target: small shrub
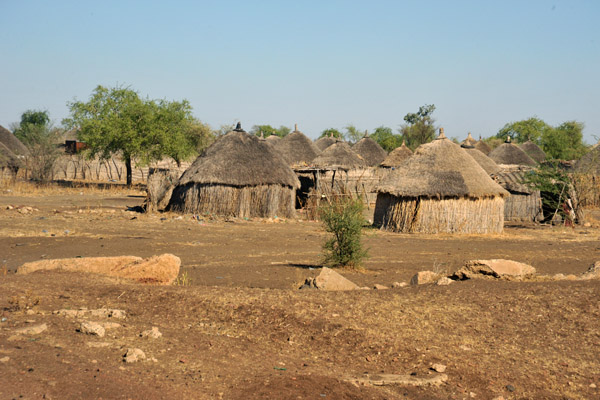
x: 183, y: 279
x: 343, y: 218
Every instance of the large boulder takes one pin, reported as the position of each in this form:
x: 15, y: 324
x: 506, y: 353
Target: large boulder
x: 494, y: 269
x: 161, y: 270
x: 424, y: 277
x: 593, y: 272
x: 328, y: 279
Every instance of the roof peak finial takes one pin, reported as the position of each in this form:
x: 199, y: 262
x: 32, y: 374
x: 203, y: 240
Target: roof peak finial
x: 442, y: 136
x: 366, y: 133
x: 262, y: 135
x: 508, y: 139
x: 295, y: 127
x: 238, y: 127
x: 469, y: 136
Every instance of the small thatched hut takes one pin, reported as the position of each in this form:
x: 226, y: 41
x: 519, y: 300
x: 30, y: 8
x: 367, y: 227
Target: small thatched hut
x: 440, y: 189
x: 533, y: 151
x: 339, y: 156
x: 271, y: 140
x: 297, y: 149
x: 484, y: 161
x: 524, y: 203
x: 469, y: 141
x: 8, y: 160
x: 12, y: 142
x: 238, y: 175
x: 326, y: 141
x: 587, y: 178
x: 370, y: 151
x: 483, y: 147
x: 510, y: 154
x: 397, y: 156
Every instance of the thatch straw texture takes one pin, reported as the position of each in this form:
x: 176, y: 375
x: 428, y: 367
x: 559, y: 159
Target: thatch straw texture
x: 397, y: 157
x: 272, y: 139
x: 533, y: 151
x: 469, y: 141
x: 587, y: 178
x: 429, y: 215
x: 370, y: 151
x: 510, y: 154
x: 325, y: 142
x: 339, y: 156
x: 8, y: 159
x: 483, y: 147
x: 524, y: 202
x: 11, y: 141
x: 297, y: 149
x: 440, y: 169
x: 484, y: 161
x: 589, y: 163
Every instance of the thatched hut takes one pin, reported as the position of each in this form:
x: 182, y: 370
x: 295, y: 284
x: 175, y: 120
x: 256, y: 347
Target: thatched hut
x: 238, y: 175
x: 524, y: 203
x: 483, y: 147
x: 12, y: 142
x: 510, y: 154
x: 397, y: 156
x: 533, y: 151
x: 8, y: 160
x: 484, y: 161
x: 440, y: 189
x: 271, y: 140
x: 587, y: 178
x: 297, y: 149
x: 339, y: 156
x: 370, y: 151
x: 469, y: 141
x: 326, y: 141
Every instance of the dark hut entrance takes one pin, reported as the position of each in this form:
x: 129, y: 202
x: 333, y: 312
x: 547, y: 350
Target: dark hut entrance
x: 307, y: 183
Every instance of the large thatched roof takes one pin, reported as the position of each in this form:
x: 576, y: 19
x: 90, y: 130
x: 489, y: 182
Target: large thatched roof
x: 483, y: 147
x: 510, y: 154
x: 240, y: 159
x: 484, y: 161
x: 11, y: 141
x: 370, y: 151
x: 397, y: 156
x: 297, y: 149
x: 440, y: 169
x: 469, y: 141
x: 339, y: 156
x: 325, y: 142
x: 589, y: 163
x: 8, y: 159
x: 533, y: 151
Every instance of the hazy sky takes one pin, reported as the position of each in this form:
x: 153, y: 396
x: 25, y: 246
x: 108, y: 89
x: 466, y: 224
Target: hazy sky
x: 320, y: 64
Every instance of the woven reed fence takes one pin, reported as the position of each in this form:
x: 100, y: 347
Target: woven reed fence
x: 523, y: 207
x: 587, y: 187
x: 425, y: 215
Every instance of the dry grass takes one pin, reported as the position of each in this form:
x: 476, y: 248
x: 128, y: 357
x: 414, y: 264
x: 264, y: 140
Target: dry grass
x: 28, y: 188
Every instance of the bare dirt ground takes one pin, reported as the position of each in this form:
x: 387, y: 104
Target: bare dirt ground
x: 243, y: 330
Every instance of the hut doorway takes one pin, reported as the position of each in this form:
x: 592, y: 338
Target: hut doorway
x: 307, y: 183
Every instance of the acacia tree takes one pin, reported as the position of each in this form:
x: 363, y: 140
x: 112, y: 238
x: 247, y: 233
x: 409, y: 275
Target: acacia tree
x: 419, y: 128
x: 268, y: 130
x: 386, y: 138
x: 332, y: 132
x: 353, y: 134
x: 117, y: 121
x: 531, y: 129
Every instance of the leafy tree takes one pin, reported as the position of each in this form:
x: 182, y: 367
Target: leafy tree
x: 353, y: 135
x: 117, y: 121
x: 521, y: 131
x: 565, y: 142
x: 224, y: 129
x: 200, y: 134
x: 332, y: 132
x: 29, y: 120
x: 386, y: 138
x: 555, y: 187
x: 419, y: 127
x: 268, y: 130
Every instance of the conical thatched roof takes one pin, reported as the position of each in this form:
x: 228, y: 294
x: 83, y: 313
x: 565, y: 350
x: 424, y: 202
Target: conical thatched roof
x: 397, y: 156
x: 590, y: 162
x: 440, y: 169
x: 484, y: 161
x: 370, y: 151
x: 339, y: 156
x: 11, y: 141
x: 273, y: 139
x: 239, y: 159
x: 533, y: 151
x: 510, y: 154
x: 325, y: 142
x: 8, y: 159
x: 483, y: 147
x: 297, y: 149
x: 469, y: 141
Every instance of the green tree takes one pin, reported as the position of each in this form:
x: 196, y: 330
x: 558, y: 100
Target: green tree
x: 353, y: 135
x: 332, y: 132
x: 386, y: 138
x: 117, y: 121
x: 521, y: 131
x: 565, y: 142
x: 268, y: 130
x: 419, y: 127
x: 29, y: 120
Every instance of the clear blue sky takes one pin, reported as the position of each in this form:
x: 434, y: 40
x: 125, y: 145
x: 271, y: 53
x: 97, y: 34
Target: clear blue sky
x: 320, y: 64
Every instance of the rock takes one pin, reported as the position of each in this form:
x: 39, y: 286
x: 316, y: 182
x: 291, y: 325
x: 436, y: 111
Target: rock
x: 92, y: 328
x: 377, y: 286
x: 134, y: 355
x: 498, y: 398
x: 438, y: 367
x: 397, y: 379
x: 424, y: 277
x: 32, y: 330
x: 510, y: 388
x: 99, y: 313
x: 563, y: 277
x: 592, y: 385
x: 5, y: 359
x: 444, y: 281
x: 97, y: 344
x: 162, y: 270
x: 328, y: 279
x: 494, y: 269
x: 397, y: 285
x: 153, y: 333
x: 110, y: 325
x: 593, y: 272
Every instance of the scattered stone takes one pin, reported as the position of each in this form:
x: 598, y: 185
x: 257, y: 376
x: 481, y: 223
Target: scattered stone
x: 498, y: 398
x: 495, y: 269
x: 586, y: 225
x: 364, y: 288
x: 592, y: 385
x: 162, y: 270
x: 134, y: 355
x: 5, y: 359
x: 92, y: 328
x: 444, y: 281
x: 397, y: 285
x: 328, y: 279
x: 32, y: 330
x: 510, y: 388
x: 464, y: 347
x: 153, y: 333
x: 563, y: 277
x: 110, y: 325
x: 97, y: 344
x: 593, y: 272
x: 9, y: 207
x: 424, y: 277
x: 30, y: 312
x: 377, y: 286
x: 397, y: 379
x: 438, y: 367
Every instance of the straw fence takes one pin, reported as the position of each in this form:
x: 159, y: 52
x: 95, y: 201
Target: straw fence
x: 587, y: 187
x: 523, y: 207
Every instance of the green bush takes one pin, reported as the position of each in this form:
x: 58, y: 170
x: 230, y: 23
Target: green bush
x: 343, y: 218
